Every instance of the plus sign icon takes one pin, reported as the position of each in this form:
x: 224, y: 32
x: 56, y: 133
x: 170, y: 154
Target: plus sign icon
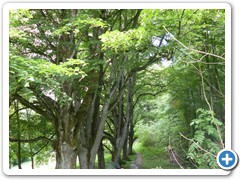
x: 227, y: 159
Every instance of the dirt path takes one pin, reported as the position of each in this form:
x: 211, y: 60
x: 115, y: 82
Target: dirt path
x: 137, y: 164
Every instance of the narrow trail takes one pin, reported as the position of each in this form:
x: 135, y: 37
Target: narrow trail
x: 137, y: 164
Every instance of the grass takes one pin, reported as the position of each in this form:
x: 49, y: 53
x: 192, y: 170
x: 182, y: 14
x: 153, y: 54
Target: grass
x: 130, y: 159
x: 108, y: 157
x: 154, y: 157
x: 126, y: 163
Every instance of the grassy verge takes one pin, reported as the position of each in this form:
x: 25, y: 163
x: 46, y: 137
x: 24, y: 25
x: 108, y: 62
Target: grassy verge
x: 154, y: 157
x: 130, y: 159
x: 126, y: 163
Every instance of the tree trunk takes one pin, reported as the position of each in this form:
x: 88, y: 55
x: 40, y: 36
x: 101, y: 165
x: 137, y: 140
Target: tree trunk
x: 19, y: 136
x: 116, y: 154
x: 65, y: 156
x: 220, y: 111
x: 131, y: 138
x: 130, y: 114
x: 125, y: 145
x: 101, y: 160
x: 32, y: 161
x: 84, y: 151
x: 100, y: 130
x: 125, y: 149
x: 32, y: 156
x: 83, y: 158
x: 101, y: 124
x: 90, y: 139
x: 92, y: 126
x: 121, y: 139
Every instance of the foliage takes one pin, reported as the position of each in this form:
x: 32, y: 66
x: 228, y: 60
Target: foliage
x: 122, y: 41
x: 29, y: 122
x: 28, y: 73
x: 72, y: 65
x: 205, y: 144
x: 158, y: 128
x: 154, y: 157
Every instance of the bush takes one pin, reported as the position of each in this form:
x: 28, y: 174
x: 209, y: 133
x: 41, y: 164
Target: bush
x: 205, y: 143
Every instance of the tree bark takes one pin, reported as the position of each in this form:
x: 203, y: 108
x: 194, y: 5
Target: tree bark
x: 130, y: 114
x: 65, y: 156
x: 31, y: 152
x: 65, y: 146
x: 131, y: 137
x: 101, y: 160
x: 125, y: 148
x: 90, y: 136
x: 118, y: 114
x: 83, y: 158
x: 121, y: 139
x: 87, y: 154
x: 19, y: 135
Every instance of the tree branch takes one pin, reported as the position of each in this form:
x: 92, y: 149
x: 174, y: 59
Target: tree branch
x: 180, y: 23
x: 145, y: 94
x: 31, y: 105
x: 109, y: 127
x: 194, y: 50
x: 197, y: 145
x: 47, y: 102
x: 134, y: 20
x: 75, y: 48
x: 30, y: 140
x: 109, y: 137
x: 143, y: 67
x: 16, y: 112
x: 43, y: 146
x: 45, y: 37
x: 107, y: 148
x: 152, y: 94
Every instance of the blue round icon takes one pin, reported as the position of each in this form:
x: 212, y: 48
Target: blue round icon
x: 227, y: 159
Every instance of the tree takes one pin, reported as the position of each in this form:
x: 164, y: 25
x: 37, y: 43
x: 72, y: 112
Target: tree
x: 86, y: 71
x: 73, y: 113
